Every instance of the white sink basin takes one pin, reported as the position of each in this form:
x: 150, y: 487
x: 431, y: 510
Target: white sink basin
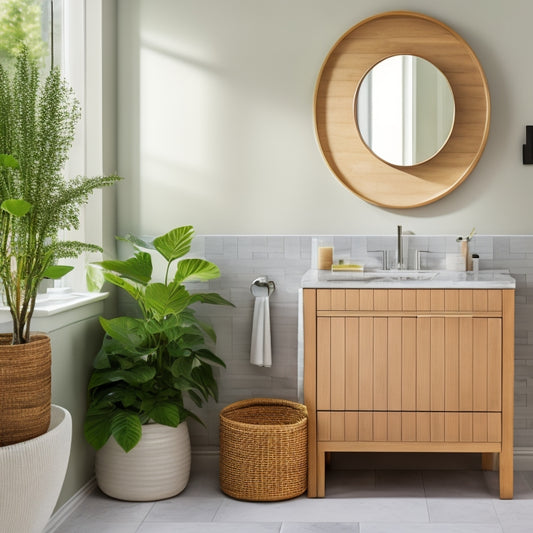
x: 404, y: 275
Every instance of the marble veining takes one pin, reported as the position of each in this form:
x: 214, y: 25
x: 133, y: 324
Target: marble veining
x: 408, y: 279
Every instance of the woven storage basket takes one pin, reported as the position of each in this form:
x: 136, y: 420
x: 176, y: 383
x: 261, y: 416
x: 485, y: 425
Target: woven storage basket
x: 25, y: 388
x: 263, y: 450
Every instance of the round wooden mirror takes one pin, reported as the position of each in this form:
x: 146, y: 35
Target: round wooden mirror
x: 347, y: 154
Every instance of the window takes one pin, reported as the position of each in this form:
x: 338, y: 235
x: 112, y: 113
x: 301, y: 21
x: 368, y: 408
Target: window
x: 68, y: 34
x: 37, y: 23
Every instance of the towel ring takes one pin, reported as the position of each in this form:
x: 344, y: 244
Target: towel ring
x: 262, y: 287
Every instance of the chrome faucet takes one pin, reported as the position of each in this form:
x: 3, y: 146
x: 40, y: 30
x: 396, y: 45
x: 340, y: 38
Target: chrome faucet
x: 399, y: 251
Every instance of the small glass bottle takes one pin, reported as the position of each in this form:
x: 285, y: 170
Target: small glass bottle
x: 475, y: 263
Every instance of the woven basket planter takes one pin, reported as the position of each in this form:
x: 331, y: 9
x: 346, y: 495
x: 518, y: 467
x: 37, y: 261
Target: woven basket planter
x: 25, y: 388
x: 263, y: 450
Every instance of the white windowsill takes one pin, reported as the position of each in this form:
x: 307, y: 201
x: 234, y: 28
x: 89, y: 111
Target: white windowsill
x: 53, y: 312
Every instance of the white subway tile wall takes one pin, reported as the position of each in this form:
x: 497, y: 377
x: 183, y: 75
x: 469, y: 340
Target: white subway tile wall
x: 284, y: 259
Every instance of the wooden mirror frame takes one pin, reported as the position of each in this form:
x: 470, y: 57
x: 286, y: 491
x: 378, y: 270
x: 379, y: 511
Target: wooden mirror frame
x: 354, y: 54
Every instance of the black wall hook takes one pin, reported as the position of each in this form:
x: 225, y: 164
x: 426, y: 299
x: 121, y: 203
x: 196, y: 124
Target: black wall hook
x: 527, y: 149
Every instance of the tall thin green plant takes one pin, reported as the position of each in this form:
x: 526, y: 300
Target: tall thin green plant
x: 37, y: 125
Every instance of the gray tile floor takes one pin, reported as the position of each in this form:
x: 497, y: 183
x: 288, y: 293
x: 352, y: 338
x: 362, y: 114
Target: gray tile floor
x: 357, y: 501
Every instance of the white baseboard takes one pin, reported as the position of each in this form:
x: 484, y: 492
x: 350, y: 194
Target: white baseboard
x: 70, y: 506
x: 523, y: 458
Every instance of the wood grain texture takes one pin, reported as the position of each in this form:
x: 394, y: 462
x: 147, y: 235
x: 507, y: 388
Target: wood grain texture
x: 411, y: 370
x: 354, y: 54
x: 399, y: 426
x: 506, y: 455
x: 309, y: 311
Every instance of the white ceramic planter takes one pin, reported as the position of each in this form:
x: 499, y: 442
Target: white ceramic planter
x: 157, y: 468
x: 32, y: 474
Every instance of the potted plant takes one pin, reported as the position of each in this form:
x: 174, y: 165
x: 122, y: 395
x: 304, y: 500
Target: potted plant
x: 145, y: 367
x: 37, y: 123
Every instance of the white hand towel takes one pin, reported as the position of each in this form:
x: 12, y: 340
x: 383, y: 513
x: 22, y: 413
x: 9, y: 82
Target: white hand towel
x: 261, y: 350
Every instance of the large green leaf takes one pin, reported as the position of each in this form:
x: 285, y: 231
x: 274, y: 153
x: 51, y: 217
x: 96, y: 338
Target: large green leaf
x: 94, y: 278
x: 166, y: 413
x: 57, y: 271
x: 208, y: 355
x: 127, y: 330
x: 133, y: 376
x: 127, y: 429
x: 210, y: 298
x: 97, y: 429
x: 182, y: 367
x: 196, y: 398
x: 133, y: 290
x: 186, y: 413
x: 196, y: 270
x: 208, y: 329
x: 137, y: 241
x: 204, y: 379
x: 176, y: 243
x: 168, y: 325
x: 123, y: 395
x: 165, y: 300
x: 137, y: 268
x: 115, y: 350
x: 8, y: 161
x: 101, y: 360
x: 17, y: 208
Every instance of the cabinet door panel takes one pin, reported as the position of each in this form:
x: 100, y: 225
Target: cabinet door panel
x: 380, y: 362
x: 437, y: 374
x: 465, y: 364
x: 408, y: 374
x: 394, y: 364
x: 451, y: 364
x: 494, y: 364
x: 366, y: 363
x: 479, y: 365
x: 323, y: 367
x: 425, y: 364
x: 352, y: 364
x: 338, y: 364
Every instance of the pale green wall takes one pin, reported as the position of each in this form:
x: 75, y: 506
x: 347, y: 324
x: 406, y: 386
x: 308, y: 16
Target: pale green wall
x: 216, y: 129
x: 75, y: 346
x: 73, y: 351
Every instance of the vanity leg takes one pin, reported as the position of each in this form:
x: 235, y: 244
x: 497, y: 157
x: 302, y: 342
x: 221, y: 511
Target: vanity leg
x: 506, y: 474
x: 506, y: 453
x: 487, y: 461
x: 321, y: 474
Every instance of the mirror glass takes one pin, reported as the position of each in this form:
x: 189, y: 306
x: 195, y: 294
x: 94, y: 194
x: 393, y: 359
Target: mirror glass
x: 405, y: 110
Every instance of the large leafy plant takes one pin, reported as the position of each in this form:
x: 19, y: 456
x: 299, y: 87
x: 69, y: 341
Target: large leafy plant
x: 37, y: 122
x: 147, y: 362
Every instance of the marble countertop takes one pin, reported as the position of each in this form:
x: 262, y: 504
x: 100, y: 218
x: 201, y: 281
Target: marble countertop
x: 408, y: 279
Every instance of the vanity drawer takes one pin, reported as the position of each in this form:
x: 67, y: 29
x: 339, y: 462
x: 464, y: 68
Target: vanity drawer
x: 402, y: 426
x: 432, y: 300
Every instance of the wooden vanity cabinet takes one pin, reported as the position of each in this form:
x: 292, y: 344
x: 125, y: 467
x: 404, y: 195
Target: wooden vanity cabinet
x: 409, y: 370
